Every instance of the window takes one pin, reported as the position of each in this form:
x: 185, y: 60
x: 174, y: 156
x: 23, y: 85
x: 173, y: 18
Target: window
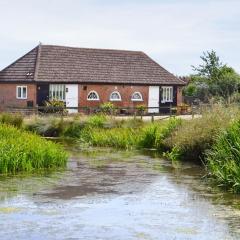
x: 137, y: 96
x: 167, y: 94
x: 21, y: 92
x: 93, y: 96
x: 57, y: 92
x: 115, y: 96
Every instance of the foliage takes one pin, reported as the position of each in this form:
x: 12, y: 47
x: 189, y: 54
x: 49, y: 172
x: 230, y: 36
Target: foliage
x: 55, y: 106
x: 152, y: 136
x: 47, y: 126
x: 210, y: 66
x: 97, y: 120
x: 213, y: 79
x: 107, y: 108
x: 15, y: 120
x: 141, y: 109
x: 194, y: 137
x: 22, y: 151
x: 223, y: 160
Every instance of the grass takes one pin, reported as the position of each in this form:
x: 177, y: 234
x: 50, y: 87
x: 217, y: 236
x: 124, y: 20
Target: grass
x: 15, y: 120
x: 223, y: 160
x: 24, y: 152
x: 192, y: 139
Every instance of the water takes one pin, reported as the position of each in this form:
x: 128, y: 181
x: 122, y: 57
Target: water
x: 109, y: 194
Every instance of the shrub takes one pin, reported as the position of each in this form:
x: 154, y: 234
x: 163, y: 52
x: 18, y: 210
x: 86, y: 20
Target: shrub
x: 124, y: 138
x: 153, y: 135
x: 194, y: 137
x: 107, y: 108
x: 96, y: 120
x: 22, y: 151
x: 223, y: 160
x: 15, y: 120
x: 55, y: 106
x: 47, y: 126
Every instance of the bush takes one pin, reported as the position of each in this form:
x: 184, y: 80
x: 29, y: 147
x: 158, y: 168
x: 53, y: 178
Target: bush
x: 96, y: 121
x: 107, y: 108
x: 15, y: 120
x: 22, y: 151
x: 154, y: 134
x: 194, y: 137
x: 47, y: 127
x: 55, y: 106
x: 223, y: 160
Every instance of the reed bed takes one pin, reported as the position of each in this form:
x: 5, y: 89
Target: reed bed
x: 21, y: 151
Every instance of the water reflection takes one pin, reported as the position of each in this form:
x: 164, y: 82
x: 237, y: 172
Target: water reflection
x: 109, y: 194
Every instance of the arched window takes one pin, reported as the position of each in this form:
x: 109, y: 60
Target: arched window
x: 115, y: 96
x: 137, y: 96
x: 93, y: 96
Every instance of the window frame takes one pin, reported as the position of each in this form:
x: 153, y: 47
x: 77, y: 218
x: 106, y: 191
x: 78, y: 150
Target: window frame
x: 136, y: 99
x: 115, y: 100
x: 59, y: 90
x: 96, y: 99
x: 167, y: 94
x: 21, y: 91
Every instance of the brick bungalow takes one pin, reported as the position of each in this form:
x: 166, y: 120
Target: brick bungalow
x: 83, y: 77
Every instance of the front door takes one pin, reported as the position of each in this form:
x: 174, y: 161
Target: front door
x: 153, y: 99
x: 42, y: 94
x: 72, y: 97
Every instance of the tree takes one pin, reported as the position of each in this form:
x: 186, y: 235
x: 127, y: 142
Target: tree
x: 210, y: 66
x: 221, y: 80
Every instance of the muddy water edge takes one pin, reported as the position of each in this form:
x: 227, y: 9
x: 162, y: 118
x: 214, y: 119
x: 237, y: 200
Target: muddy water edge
x: 110, y: 194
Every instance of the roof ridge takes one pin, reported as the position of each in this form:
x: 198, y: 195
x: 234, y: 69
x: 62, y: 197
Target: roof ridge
x: 86, y: 48
x: 37, y: 62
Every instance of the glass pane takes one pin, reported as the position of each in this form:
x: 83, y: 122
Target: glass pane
x: 24, y: 92
x: 19, y: 95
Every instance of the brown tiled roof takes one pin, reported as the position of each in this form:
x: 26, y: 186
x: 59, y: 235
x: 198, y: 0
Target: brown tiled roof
x: 67, y: 64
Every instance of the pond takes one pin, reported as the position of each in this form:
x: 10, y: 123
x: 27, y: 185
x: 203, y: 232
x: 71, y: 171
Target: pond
x: 110, y: 194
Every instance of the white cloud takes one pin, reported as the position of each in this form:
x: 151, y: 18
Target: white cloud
x: 172, y: 32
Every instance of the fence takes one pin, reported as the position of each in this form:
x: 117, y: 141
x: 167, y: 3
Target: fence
x: 117, y: 111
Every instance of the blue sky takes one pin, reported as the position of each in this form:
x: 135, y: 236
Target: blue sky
x: 174, y: 32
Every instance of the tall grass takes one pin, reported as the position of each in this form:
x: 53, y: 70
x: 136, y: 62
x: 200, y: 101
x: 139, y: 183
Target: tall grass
x: 22, y: 151
x: 15, y: 120
x: 223, y: 160
x: 190, y: 140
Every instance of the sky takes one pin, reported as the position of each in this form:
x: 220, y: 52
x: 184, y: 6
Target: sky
x: 172, y: 32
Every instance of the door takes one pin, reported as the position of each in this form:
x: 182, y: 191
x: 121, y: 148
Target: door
x: 72, y: 97
x: 153, y: 99
x: 168, y: 96
x: 42, y: 94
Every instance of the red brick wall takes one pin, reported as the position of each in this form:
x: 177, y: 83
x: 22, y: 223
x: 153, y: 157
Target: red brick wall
x: 104, y: 92
x: 8, y: 95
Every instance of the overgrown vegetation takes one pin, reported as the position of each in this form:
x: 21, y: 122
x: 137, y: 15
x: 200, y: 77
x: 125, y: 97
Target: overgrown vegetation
x: 212, y: 139
x: 213, y: 80
x: 223, y: 160
x: 193, y: 138
x: 22, y: 151
x: 15, y: 120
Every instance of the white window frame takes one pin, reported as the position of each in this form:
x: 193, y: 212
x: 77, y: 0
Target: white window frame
x: 93, y: 99
x: 59, y: 92
x: 167, y: 94
x: 21, y: 87
x: 114, y: 99
x: 137, y: 99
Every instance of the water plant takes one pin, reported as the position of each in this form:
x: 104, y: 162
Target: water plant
x: 15, y: 120
x: 193, y: 138
x: 223, y: 160
x: 22, y: 151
